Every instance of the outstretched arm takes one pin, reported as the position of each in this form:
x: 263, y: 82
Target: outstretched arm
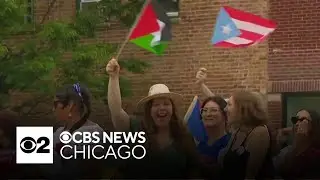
x: 120, y: 118
x: 201, y: 76
x: 205, y: 90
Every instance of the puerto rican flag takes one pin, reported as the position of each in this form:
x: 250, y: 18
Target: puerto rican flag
x: 235, y: 28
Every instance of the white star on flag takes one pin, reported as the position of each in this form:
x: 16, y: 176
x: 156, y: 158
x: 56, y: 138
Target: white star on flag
x: 157, y: 35
x: 226, y: 29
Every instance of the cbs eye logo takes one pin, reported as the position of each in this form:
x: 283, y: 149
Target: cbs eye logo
x: 29, y: 145
x: 34, y: 145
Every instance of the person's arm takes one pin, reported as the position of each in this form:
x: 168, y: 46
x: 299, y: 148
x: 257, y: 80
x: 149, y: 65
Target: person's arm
x: 279, y: 159
x: 257, y: 145
x: 201, y: 76
x: 120, y: 118
x: 287, y: 130
x: 281, y: 138
x: 205, y: 90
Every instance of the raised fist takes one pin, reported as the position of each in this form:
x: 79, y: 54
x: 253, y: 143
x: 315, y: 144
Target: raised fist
x: 201, y: 75
x: 113, y: 68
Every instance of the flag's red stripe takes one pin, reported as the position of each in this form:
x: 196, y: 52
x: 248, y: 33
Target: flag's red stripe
x: 245, y: 35
x: 225, y: 44
x: 147, y: 23
x: 250, y: 35
x: 248, y: 17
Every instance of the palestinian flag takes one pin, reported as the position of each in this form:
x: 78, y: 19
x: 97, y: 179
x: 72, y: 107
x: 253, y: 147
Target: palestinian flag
x: 153, y: 29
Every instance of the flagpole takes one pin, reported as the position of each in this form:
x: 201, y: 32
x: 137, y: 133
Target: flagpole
x: 131, y: 29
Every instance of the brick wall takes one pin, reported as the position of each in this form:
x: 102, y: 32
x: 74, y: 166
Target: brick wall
x: 294, y: 52
x: 294, y: 48
x: 190, y: 49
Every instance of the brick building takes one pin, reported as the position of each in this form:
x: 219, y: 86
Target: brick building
x: 288, y: 62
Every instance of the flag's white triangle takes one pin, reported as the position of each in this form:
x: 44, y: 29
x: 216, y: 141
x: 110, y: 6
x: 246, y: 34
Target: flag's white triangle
x: 157, y: 35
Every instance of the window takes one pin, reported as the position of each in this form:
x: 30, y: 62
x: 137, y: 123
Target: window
x: 87, y: 4
x: 83, y: 5
x: 29, y: 16
x: 171, y: 6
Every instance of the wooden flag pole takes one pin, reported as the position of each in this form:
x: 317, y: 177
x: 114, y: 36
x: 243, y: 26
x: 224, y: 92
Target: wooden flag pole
x: 131, y: 29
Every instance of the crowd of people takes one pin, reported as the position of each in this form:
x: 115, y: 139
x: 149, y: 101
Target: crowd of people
x: 239, y: 143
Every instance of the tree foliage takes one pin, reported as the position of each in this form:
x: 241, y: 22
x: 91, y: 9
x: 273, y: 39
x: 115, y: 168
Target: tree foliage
x: 41, y: 56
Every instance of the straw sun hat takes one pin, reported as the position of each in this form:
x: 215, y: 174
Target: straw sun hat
x: 157, y: 91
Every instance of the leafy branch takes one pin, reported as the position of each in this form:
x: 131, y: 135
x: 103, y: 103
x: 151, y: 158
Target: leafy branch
x: 43, y: 58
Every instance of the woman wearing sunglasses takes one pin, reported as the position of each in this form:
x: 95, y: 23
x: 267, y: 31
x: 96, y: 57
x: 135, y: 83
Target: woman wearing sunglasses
x: 302, y: 158
x: 72, y: 107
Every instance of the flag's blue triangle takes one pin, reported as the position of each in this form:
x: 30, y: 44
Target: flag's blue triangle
x: 194, y: 121
x: 224, y: 20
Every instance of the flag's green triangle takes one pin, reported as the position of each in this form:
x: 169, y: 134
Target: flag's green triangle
x: 145, y: 42
x: 159, y: 49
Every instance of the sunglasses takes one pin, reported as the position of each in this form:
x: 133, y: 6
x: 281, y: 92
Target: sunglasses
x: 295, y: 119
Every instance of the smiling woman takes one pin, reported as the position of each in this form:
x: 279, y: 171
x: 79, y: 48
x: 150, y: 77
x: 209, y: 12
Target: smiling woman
x: 171, y: 151
x: 214, y: 119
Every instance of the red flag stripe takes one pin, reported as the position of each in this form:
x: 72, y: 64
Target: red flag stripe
x: 246, y: 38
x: 147, y: 23
x: 225, y: 44
x: 250, y: 35
x: 254, y: 29
x: 248, y: 26
x: 248, y: 17
x: 243, y: 40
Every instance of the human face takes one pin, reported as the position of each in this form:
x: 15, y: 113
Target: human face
x: 61, y: 112
x: 301, y: 118
x: 161, y: 111
x: 212, y: 114
x: 231, y: 110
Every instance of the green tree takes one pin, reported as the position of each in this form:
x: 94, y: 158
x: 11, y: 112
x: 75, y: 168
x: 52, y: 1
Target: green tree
x: 38, y: 64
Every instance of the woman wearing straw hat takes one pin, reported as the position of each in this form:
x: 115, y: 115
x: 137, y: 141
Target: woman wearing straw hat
x: 171, y: 152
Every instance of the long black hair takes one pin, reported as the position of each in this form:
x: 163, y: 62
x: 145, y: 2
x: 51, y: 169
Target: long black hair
x: 80, y: 96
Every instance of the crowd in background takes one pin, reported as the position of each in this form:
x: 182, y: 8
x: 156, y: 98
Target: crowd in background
x: 239, y: 143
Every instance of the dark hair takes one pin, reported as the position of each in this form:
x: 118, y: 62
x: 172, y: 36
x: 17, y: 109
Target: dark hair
x: 8, y: 122
x: 219, y: 100
x: 315, y: 126
x: 80, y: 96
x: 178, y: 130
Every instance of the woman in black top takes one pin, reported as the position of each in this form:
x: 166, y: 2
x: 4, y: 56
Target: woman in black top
x: 248, y: 154
x: 171, y: 151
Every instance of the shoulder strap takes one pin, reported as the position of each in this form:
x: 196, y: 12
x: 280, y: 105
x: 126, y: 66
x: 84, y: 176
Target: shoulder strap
x: 270, y: 149
x: 233, y: 138
x: 248, y: 134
